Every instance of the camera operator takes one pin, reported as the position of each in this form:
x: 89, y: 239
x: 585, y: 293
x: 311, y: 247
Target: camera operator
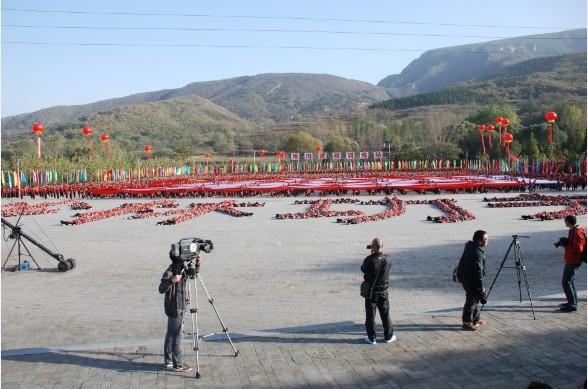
x: 471, y: 269
x: 377, y: 264
x: 173, y: 284
x: 573, y: 246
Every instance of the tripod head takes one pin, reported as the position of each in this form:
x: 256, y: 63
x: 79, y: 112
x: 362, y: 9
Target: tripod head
x: 514, y: 237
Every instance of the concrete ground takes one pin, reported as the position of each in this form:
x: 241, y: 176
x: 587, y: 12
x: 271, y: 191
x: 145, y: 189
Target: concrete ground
x: 288, y: 291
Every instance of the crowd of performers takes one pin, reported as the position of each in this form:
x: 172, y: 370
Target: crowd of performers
x: 168, y: 187
x: 576, y: 205
x: 163, y: 205
x: 396, y: 207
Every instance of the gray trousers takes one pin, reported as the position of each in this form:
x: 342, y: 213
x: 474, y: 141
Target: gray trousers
x: 173, y: 339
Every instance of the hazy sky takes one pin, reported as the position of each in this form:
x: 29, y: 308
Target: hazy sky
x: 62, y: 52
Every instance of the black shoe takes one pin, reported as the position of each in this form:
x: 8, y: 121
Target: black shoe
x: 564, y: 304
x: 568, y: 308
x: 182, y: 368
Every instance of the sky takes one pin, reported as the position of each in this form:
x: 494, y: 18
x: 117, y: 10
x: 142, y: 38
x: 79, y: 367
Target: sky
x: 62, y: 52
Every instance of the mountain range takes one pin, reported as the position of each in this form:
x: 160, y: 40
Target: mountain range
x: 271, y: 102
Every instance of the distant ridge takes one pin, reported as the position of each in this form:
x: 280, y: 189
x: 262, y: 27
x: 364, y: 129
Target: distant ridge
x: 439, y: 68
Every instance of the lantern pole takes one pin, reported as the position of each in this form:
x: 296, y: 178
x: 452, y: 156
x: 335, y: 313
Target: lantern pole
x: 18, y: 173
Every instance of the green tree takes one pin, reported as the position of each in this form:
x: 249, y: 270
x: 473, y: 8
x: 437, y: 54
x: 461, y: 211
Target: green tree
x: 572, y: 121
x: 408, y: 152
x: 341, y: 144
x: 441, y: 150
x: 488, y: 114
x: 532, y: 148
x: 184, y: 149
x: 301, y: 142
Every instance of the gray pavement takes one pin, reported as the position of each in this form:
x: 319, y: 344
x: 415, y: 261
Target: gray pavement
x: 288, y: 292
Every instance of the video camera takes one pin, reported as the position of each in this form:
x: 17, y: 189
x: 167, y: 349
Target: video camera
x: 187, y: 249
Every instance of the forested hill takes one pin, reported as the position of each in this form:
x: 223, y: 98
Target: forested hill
x: 539, y: 80
x: 264, y: 99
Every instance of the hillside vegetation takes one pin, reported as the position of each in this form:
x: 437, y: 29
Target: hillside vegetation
x: 265, y: 100
x: 537, y: 81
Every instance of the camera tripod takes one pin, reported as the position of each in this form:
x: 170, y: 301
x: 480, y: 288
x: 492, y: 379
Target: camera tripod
x: 519, y: 265
x: 194, y: 317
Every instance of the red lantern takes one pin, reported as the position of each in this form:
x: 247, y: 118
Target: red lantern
x: 207, y: 155
x: 87, y: 130
x: 508, y: 138
x: 38, y: 128
x: 105, y: 138
x: 319, y: 149
x: 148, y: 151
x: 481, y: 128
x: 550, y: 117
x: 505, y: 122
x: 490, y: 128
x: 498, y: 120
x: 261, y: 152
x: 231, y: 161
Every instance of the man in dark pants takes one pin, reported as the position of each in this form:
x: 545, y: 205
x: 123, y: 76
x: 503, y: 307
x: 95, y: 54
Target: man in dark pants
x: 173, y: 284
x: 471, y: 269
x: 376, y: 269
x: 574, y: 246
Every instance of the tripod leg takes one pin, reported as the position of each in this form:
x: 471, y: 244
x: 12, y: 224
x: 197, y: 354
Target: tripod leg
x: 524, y: 270
x: 194, y: 317
x: 499, y: 269
x: 9, y: 253
x: 28, y: 251
x: 518, y: 267
x: 225, y: 329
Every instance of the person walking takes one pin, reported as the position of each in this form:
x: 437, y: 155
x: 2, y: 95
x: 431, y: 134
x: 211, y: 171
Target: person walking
x: 376, y: 269
x: 471, y: 271
x: 574, y: 246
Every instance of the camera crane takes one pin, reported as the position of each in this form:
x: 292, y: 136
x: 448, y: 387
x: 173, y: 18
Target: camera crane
x: 17, y: 234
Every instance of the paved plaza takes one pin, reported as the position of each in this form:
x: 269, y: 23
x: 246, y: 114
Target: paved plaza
x: 288, y: 291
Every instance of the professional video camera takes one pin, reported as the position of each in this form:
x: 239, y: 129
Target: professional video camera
x: 188, y: 249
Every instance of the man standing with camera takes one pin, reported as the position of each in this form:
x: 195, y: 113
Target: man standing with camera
x: 471, y: 271
x: 574, y: 246
x: 376, y: 269
x: 173, y: 285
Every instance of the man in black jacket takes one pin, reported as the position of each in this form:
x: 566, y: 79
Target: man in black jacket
x: 376, y: 269
x: 471, y: 270
x: 173, y: 284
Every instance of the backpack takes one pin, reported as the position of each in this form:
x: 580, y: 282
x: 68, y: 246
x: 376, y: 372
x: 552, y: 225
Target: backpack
x: 458, y: 271
x: 583, y: 253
